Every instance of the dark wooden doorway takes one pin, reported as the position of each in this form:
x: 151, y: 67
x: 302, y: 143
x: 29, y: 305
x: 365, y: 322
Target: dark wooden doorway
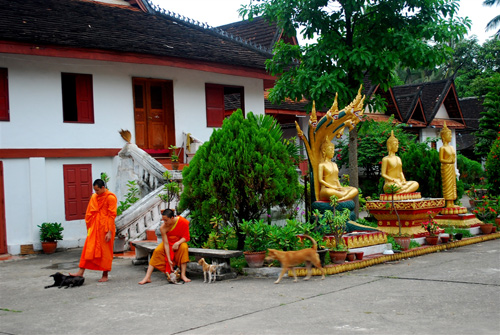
x: 154, y: 114
x: 3, y: 230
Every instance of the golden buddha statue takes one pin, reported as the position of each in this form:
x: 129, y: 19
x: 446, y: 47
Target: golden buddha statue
x: 328, y: 176
x: 447, y: 158
x: 392, y: 169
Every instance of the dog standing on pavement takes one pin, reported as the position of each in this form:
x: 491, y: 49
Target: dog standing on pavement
x: 208, y: 270
x: 61, y: 280
x: 289, y: 259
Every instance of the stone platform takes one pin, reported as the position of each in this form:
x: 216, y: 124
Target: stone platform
x: 412, y: 213
x: 466, y: 220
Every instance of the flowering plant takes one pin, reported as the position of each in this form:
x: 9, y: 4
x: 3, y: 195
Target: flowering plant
x: 487, y: 209
x: 431, y: 225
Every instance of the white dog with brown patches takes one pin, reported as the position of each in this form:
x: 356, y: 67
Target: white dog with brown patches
x: 209, y: 270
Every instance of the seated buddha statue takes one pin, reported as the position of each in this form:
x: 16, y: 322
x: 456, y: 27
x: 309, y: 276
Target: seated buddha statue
x: 328, y: 177
x: 392, y: 169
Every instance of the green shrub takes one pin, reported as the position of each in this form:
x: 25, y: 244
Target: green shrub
x: 50, y: 231
x: 493, y: 168
x: 470, y: 170
x: 421, y: 163
x: 245, y: 168
x: 130, y: 198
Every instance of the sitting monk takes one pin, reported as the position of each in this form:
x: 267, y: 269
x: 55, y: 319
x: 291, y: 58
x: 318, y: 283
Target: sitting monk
x: 173, y: 250
x: 392, y: 169
x: 328, y: 177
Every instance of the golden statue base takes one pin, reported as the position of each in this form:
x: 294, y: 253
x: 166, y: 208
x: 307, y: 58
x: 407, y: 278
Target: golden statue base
x: 453, y: 210
x: 467, y: 220
x: 400, y: 196
x: 358, y: 239
x: 412, y: 213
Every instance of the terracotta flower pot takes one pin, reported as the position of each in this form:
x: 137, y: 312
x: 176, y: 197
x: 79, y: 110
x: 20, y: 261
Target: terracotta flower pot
x: 486, y: 228
x: 351, y: 256
x: 403, y: 241
x: 359, y: 255
x: 49, y: 247
x: 432, y: 240
x: 458, y: 236
x: 255, y: 259
x: 445, y: 239
x: 338, y: 257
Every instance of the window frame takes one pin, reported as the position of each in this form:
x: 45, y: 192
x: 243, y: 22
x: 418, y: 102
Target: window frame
x: 215, y: 103
x: 79, y: 99
x: 4, y: 94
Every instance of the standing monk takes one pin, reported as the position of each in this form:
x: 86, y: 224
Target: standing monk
x: 173, y: 250
x: 97, y: 252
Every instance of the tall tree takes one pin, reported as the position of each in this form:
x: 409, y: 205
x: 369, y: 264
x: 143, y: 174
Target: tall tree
x: 495, y: 22
x: 355, y: 38
x: 489, y: 124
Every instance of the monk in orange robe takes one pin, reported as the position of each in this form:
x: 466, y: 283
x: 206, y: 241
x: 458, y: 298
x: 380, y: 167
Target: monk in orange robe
x: 97, y: 252
x: 173, y: 250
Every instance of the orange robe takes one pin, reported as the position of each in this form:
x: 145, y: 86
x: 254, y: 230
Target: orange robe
x: 100, y: 218
x: 159, y: 258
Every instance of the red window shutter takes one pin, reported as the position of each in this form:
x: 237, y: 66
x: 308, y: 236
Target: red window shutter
x: 84, y: 98
x: 4, y: 96
x: 215, y: 104
x: 77, y: 190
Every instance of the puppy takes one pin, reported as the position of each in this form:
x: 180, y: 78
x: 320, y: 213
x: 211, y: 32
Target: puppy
x: 209, y: 270
x: 61, y: 280
x: 174, y: 277
x: 288, y: 259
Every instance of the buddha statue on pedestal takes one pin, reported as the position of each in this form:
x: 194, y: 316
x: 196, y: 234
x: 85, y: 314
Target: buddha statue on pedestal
x: 328, y: 175
x: 392, y: 169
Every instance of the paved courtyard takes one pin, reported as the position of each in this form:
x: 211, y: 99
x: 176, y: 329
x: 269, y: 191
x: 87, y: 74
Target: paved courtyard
x: 449, y: 292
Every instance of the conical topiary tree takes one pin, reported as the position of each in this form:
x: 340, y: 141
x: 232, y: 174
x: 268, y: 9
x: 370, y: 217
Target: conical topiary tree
x: 243, y: 170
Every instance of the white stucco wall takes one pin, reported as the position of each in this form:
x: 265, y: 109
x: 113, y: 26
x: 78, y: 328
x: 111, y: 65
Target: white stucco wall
x: 34, y: 187
x: 35, y: 99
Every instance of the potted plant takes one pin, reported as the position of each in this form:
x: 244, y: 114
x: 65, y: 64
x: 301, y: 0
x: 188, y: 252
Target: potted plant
x: 174, y: 156
x: 486, y: 212
x: 432, y: 227
x: 401, y: 239
x: 171, y: 189
x: 256, y: 242
x: 50, y: 232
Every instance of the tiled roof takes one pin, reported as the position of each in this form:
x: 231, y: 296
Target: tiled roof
x: 471, y: 110
x: 96, y: 25
x: 258, y: 31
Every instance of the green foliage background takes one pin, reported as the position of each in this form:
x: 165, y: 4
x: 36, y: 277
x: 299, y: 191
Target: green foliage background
x: 421, y: 163
x: 470, y: 171
x: 245, y: 168
x: 493, y: 167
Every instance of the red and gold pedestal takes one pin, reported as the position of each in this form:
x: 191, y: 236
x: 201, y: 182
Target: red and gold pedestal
x: 466, y: 220
x: 412, y: 214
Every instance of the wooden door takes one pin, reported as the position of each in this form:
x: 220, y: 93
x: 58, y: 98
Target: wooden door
x: 3, y: 230
x: 154, y: 113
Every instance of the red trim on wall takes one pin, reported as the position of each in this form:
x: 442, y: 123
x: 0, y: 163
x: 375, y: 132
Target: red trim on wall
x: 124, y: 57
x: 58, y: 153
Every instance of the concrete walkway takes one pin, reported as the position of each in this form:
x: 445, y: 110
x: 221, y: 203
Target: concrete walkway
x: 450, y: 292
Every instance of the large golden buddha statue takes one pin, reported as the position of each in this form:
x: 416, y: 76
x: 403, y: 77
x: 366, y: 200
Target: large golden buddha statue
x: 328, y: 176
x: 447, y: 158
x: 392, y: 169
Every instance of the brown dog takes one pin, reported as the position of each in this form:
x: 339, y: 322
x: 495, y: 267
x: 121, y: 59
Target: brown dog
x: 208, y: 269
x: 288, y: 259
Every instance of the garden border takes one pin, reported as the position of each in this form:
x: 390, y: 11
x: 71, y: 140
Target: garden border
x: 349, y: 266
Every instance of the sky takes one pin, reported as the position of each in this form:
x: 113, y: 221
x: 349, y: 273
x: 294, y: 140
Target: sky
x: 220, y: 12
